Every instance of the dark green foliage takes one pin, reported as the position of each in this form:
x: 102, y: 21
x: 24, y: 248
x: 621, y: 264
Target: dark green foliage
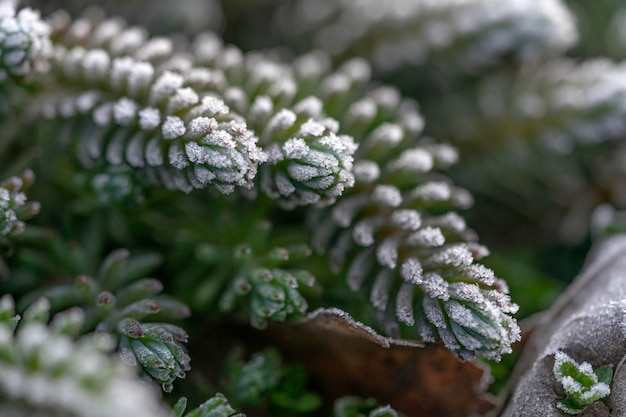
x: 116, y: 299
x: 265, y: 382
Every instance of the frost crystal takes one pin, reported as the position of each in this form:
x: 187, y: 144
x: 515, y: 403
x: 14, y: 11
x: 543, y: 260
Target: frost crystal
x: 428, y: 237
x: 149, y: 118
x: 412, y: 271
x: 173, y: 127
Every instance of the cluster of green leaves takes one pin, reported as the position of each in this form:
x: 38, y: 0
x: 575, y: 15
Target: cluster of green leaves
x: 582, y: 384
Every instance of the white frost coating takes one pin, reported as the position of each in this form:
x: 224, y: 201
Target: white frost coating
x: 149, y: 118
x: 173, y: 127
x: 411, y: 271
x: 321, y: 159
x: 387, y: 252
x: 425, y: 329
x: 362, y: 110
x: 106, y: 30
x: 102, y: 115
x: 387, y: 196
x: 96, y: 65
x: 585, y: 394
x: 217, y: 159
x: 134, y: 151
x: 480, y: 273
x: 435, y: 286
x: 82, y: 388
x: 120, y: 70
x: 336, y: 84
x: 86, y: 101
x: 24, y: 41
x: 295, y: 148
x: 203, y: 175
x: 309, y: 107
x: 201, y: 126
x: 444, y: 155
x: 195, y: 153
x: 125, y: 111
x: 449, y: 221
x: 154, y: 49
x: 365, y: 171
x: 450, y: 342
x: 182, y: 98
x: 261, y: 108
x: 343, y: 145
x: 454, y: 255
x: 164, y: 86
x: 461, y: 198
x: 282, y: 120
x: 387, y: 97
x: 359, y: 269
x: 154, y: 156
x: 128, y: 41
x: 177, y: 156
x: 284, y: 185
x: 466, y: 340
x: 433, y: 312
x: 461, y: 315
x: 432, y: 191
x: 472, y: 293
x: 311, y: 128
x: 303, y: 173
x: 209, y: 106
x: 413, y: 160
x: 426, y: 237
x: 386, y: 134
x: 478, y: 251
x: 220, y: 138
x: 309, y: 198
x: 404, y: 304
x: 274, y: 154
x: 363, y: 233
x: 139, y: 78
x: 344, y: 211
x: 379, y: 296
x: 115, y: 149
x: 406, y: 219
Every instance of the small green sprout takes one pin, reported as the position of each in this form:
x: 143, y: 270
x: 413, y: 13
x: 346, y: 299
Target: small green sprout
x: 581, y: 383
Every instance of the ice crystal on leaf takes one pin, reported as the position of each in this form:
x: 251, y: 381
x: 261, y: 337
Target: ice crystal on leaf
x: 583, y: 386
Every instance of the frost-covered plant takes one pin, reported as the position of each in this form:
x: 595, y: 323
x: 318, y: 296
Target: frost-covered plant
x: 14, y: 208
x: 462, y: 36
x: 119, y: 301
x: 256, y: 184
x: 264, y: 379
x: 560, y: 105
x: 556, y: 131
x: 24, y: 41
x: 216, y: 406
x: 396, y: 231
x: 45, y: 372
x: 582, y: 384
